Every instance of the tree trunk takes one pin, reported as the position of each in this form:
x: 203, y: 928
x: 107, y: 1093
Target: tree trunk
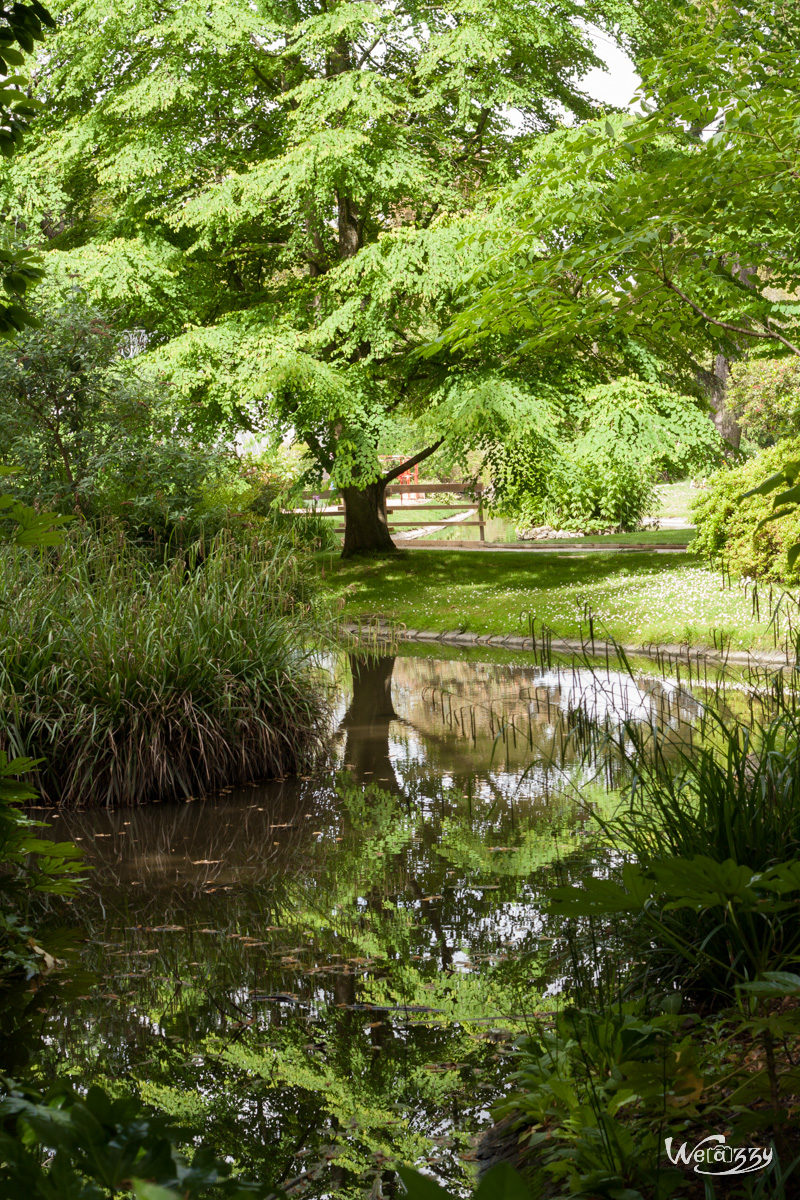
x: 724, y: 420
x: 367, y: 721
x: 366, y: 528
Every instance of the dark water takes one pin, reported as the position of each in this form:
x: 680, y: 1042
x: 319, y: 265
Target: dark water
x: 325, y: 975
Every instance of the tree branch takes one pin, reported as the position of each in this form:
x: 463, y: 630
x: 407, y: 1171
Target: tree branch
x: 411, y: 462
x: 765, y: 332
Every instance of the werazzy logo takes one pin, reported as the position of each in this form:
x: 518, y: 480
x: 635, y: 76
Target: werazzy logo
x: 713, y: 1156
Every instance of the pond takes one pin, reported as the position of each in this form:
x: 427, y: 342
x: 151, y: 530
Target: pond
x: 325, y: 975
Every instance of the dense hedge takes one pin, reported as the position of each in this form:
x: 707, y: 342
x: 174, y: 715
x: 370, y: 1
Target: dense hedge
x: 727, y: 526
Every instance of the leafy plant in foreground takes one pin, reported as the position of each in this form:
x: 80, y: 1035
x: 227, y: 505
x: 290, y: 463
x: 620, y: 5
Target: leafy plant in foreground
x: 94, y: 1147
x: 29, y: 866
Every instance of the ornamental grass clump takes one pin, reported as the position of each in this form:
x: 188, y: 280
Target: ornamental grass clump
x: 134, y: 684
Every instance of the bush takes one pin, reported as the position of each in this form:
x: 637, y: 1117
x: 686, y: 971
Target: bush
x: 599, y: 472
x: 611, y: 490
x: 727, y: 526
x: 135, y: 684
x: 764, y: 397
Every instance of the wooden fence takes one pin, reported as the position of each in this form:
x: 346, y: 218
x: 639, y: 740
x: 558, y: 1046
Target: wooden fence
x: 329, y: 506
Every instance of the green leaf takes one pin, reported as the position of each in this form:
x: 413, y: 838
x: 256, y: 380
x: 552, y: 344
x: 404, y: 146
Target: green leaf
x: 152, y: 1191
x: 420, y: 1187
x: 502, y: 1182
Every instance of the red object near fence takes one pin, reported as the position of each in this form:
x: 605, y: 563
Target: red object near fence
x: 410, y: 476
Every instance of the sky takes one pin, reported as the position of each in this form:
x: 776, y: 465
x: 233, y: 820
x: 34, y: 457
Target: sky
x: 617, y: 84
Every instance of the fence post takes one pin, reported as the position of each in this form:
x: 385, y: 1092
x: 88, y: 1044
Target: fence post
x: 481, y: 530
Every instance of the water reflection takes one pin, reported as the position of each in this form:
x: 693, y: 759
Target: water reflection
x: 323, y: 974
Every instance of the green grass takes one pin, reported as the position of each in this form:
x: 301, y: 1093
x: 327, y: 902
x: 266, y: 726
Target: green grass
x: 136, y: 683
x: 636, y: 598
x: 644, y: 537
x: 675, y: 500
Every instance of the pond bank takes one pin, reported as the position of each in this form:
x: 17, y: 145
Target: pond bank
x: 671, y: 653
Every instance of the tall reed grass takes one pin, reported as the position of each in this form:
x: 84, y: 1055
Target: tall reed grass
x: 733, y: 793
x: 136, y: 684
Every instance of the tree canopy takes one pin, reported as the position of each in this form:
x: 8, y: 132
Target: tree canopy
x: 279, y: 195
x: 677, y: 225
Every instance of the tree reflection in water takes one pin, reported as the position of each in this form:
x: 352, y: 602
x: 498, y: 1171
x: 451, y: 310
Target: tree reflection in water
x: 323, y: 975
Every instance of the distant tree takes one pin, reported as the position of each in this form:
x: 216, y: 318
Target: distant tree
x: 65, y: 397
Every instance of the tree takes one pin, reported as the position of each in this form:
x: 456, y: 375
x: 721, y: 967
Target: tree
x: 280, y: 201
x: 20, y: 26
x: 677, y: 226
x: 65, y: 399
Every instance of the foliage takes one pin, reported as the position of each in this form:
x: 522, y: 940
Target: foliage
x: 23, y: 525
x: 91, y: 433
x: 731, y: 512
x: 67, y: 399
x: 500, y: 1182
x: 592, y: 465
x: 84, y: 1147
x: 711, y: 835
x: 667, y: 433
x: 30, y: 867
x: 594, y: 1096
x: 740, y: 920
x: 696, y: 902
x: 289, y: 244
x: 20, y: 26
x: 764, y: 397
x: 676, y: 226
x: 142, y: 684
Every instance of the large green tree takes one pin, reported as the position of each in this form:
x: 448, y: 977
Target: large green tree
x: 278, y: 193
x: 678, y: 225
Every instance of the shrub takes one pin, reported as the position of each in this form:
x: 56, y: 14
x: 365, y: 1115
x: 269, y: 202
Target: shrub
x: 611, y: 490
x: 135, y: 684
x: 598, y: 471
x: 764, y: 397
x: 728, y: 526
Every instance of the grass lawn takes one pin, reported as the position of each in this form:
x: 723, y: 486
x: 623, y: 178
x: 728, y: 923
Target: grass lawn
x: 637, y: 598
x: 644, y: 537
x: 675, y: 500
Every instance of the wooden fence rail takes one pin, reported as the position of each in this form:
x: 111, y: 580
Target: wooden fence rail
x: 332, y: 508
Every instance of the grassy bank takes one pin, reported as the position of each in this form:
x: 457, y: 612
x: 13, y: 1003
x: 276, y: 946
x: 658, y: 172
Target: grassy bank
x: 636, y: 598
x: 137, y: 683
